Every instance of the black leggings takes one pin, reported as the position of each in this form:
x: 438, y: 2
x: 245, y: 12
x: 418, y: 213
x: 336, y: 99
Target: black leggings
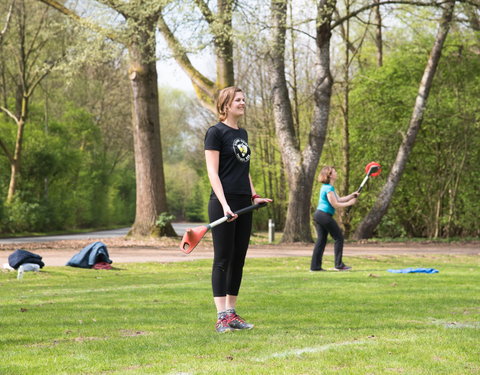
x: 324, y: 224
x: 230, y: 244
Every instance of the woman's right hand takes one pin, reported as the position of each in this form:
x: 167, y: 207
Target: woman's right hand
x: 228, y: 212
x: 355, y: 194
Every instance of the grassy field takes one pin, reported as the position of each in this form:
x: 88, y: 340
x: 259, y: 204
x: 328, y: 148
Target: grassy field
x: 159, y: 319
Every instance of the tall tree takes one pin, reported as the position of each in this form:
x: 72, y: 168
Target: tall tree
x: 301, y: 164
x: 370, y: 222
x: 26, y: 45
x: 138, y: 36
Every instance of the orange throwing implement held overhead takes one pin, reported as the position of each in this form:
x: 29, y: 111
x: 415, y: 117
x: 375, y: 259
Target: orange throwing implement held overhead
x: 372, y: 169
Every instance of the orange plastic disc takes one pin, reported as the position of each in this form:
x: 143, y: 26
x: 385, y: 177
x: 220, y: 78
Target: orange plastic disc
x: 373, y: 164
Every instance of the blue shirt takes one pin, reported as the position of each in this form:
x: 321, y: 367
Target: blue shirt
x: 323, y: 203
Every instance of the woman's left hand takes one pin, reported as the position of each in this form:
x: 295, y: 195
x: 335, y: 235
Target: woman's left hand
x: 262, y: 200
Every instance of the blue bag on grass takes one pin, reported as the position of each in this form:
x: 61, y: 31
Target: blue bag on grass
x: 90, y: 255
x: 415, y: 270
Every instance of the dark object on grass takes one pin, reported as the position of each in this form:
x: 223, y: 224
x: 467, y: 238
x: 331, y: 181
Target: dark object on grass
x: 102, y: 266
x: 90, y: 255
x: 20, y: 256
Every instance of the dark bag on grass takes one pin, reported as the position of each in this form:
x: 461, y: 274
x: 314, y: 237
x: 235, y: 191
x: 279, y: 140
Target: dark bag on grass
x: 90, y: 255
x: 20, y: 256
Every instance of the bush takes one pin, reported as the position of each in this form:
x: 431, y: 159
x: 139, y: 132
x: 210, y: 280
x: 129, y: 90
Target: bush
x: 25, y: 216
x: 162, y: 225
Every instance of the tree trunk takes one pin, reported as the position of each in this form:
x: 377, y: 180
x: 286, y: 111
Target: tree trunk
x: 294, y: 84
x: 284, y: 125
x: 345, y: 187
x: 300, y: 166
x: 380, y: 207
x: 20, y: 118
x: 17, y: 156
x: 224, y: 45
x: 378, y: 34
x: 151, y: 195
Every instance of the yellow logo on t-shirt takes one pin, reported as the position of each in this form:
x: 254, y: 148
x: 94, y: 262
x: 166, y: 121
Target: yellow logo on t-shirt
x: 241, y: 150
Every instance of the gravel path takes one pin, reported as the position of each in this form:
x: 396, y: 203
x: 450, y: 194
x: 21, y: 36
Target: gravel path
x: 134, y: 251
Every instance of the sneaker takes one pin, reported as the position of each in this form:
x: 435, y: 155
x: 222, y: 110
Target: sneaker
x: 222, y: 326
x: 319, y: 270
x: 236, y: 322
x: 343, y: 267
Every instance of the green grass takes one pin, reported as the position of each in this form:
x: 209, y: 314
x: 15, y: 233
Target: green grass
x: 159, y: 318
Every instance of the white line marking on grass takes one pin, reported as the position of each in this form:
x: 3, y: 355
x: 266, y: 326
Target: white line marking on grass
x: 314, y: 349
x: 474, y: 325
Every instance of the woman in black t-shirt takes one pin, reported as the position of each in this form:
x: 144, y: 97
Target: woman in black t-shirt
x: 227, y: 156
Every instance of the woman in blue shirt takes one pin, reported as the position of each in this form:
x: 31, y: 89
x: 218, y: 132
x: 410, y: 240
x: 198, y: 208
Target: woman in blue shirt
x: 325, y: 223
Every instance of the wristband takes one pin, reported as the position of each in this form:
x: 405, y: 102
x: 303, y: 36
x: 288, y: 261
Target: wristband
x: 255, y: 196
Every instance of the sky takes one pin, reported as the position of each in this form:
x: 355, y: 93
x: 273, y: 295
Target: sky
x: 170, y: 74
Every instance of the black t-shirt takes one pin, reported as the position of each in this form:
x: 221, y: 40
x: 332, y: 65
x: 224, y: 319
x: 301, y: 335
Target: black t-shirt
x: 234, y: 163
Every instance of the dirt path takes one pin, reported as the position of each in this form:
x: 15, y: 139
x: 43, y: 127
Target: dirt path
x: 130, y: 251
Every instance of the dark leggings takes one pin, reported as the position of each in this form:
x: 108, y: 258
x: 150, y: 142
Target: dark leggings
x: 230, y: 244
x: 325, y: 224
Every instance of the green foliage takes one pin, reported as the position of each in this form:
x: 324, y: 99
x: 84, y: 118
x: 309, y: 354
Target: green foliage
x: 182, y: 184
x: 177, y: 135
x: 195, y: 208
x: 182, y: 148
x: 21, y: 216
x: 76, y: 167
x: 162, y: 222
x: 122, y: 195
x: 436, y: 190
x: 66, y: 181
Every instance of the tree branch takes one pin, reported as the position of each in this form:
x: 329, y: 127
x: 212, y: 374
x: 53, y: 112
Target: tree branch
x: 10, y: 114
x: 387, y: 2
x: 7, y: 20
x: 206, y: 12
x: 29, y: 50
x: 204, y: 86
x: 38, y: 80
x: 84, y: 22
x: 116, y: 5
x: 2, y: 145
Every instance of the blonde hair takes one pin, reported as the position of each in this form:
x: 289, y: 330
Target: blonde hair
x: 224, y: 99
x: 325, y: 174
